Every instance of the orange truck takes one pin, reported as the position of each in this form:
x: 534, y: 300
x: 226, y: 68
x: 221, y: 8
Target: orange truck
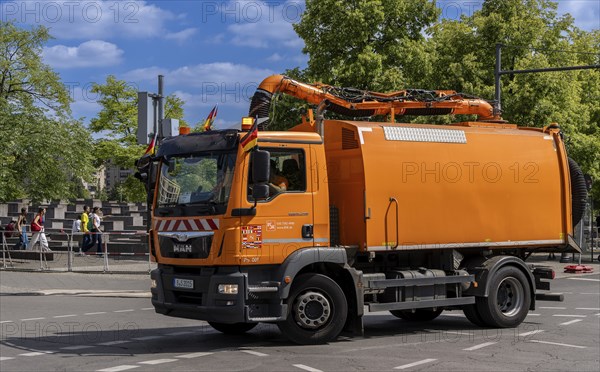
x: 314, y: 224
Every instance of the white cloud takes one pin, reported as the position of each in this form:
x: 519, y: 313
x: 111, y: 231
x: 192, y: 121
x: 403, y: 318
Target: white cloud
x: 223, y: 75
x: 261, y: 25
x: 586, y: 13
x: 181, y: 36
x: 91, y: 19
x: 93, y: 53
x: 275, y: 57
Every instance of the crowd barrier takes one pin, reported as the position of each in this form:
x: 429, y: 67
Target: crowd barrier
x: 131, y: 257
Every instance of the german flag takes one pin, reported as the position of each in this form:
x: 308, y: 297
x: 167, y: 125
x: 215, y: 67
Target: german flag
x: 210, y: 119
x: 250, y: 139
x: 151, y: 147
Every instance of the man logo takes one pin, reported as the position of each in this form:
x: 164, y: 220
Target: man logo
x: 182, y: 248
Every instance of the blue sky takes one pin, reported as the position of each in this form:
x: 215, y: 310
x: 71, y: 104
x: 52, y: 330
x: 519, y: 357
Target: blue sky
x: 209, y: 51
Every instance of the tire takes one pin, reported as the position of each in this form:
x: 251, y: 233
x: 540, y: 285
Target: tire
x: 473, y: 315
x: 509, y: 298
x: 578, y: 191
x: 232, y: 329
x: 419, y: 315
x: 317, y: 310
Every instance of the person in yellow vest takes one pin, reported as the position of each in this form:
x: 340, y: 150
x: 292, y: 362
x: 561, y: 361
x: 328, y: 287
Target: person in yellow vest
x: 87, y: 241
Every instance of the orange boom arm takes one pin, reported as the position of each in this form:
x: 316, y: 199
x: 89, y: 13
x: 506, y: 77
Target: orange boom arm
x: 354, y: 102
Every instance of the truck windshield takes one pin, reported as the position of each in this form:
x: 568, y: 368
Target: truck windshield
x: 202, y: 180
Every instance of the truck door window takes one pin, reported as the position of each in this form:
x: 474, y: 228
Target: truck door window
x: 287, y: 174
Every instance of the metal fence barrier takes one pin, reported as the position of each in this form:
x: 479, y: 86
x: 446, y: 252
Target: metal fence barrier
x: 130, y: 256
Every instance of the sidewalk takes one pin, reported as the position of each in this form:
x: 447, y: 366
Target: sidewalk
x: 45, y: 283
x: 26, y: 279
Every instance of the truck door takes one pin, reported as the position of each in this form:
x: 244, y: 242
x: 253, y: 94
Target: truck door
x: 284, y: 222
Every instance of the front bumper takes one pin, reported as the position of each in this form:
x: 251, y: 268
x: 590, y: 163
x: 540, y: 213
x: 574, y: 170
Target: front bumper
x: 203, y: 301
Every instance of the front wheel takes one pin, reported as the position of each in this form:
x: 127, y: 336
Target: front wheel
x: 317, y: 310
x: 419, y: 315
x: 509, y: 299
x: 232, y: 329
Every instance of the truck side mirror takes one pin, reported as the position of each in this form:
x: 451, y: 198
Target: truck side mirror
x: 260, y: 191
x: 260, y: 166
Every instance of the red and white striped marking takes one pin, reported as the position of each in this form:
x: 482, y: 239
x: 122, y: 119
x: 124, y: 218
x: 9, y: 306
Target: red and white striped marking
x: 196, y: 224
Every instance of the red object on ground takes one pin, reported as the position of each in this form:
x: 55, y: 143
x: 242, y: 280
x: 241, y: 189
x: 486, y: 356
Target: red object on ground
x: 578, y: 269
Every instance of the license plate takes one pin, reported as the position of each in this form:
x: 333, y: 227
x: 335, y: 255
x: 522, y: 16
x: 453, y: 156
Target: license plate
x: 183, y: 283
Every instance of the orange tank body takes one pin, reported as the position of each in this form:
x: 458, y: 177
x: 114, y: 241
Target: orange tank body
x: 407, y: 186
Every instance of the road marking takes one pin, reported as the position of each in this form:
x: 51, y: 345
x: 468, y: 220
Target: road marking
x: 124, y: 367
x: 147, y: 308
x: 251, y: 352
x: 96, y: 313
x: 530, y: 333
x: 24, y: 320
x: 415, y: 363
x: 179, y: 333
x: 533, y: 314
x: 306, y: 368
x: 36, y: 353
x: 123, y: 311
x: 65, y: 316
x: 110, y: 343
x: 553, y: 308
x: 571, y: 322
x: 455, y: 314
x: 77, y: 347
x: 570, y: 316
x: 5, y: 358
x: 158, y: 361
x: 192, y: 355
x: 590, y: 293
x: 479, y: 346
x: 586, y: 279
x: 557, y: 344
x: 6, y: 321
x: 588, y: 308
x: 146, y: 338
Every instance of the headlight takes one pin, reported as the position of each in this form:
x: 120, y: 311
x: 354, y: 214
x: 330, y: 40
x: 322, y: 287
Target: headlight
x: 228, y: 288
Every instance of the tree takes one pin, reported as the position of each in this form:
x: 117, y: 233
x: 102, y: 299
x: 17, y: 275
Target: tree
x: 366, y: 44
x: 43, y: 150
x: 117, y: 121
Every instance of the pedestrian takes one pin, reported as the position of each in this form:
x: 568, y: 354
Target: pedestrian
x: 96, y: 229
x: 75, y: 229
x: 37, y: 226
x: 9, y: 229
x: 86, y: 242
x: 22, y: 229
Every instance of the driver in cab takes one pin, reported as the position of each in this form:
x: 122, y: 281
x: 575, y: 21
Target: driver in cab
x: 277, y: 183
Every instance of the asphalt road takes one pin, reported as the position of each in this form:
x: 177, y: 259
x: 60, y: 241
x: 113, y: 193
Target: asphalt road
x: 118, y: 333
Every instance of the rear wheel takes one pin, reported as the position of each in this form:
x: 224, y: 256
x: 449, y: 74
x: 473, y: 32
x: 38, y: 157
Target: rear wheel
x: 419, y: 315
x: 232, y: 329
x: 317, y: 310
x: 508, y: 301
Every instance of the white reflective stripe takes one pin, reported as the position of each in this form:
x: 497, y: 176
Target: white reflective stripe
x: 412, y: 134
x: 170, y: 225
x: 464, y: 245
x: 193, y: 225
x: 182, y: 226
x: 205, y: 225
x: 216, y: 222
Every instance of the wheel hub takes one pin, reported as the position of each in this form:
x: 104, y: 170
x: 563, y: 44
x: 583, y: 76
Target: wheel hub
x: 312, y: 310
x: 510, y: 296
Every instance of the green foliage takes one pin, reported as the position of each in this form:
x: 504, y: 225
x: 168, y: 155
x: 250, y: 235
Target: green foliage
x: 43, y: 151
x: 367, y: 44
x: 131, y: 190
